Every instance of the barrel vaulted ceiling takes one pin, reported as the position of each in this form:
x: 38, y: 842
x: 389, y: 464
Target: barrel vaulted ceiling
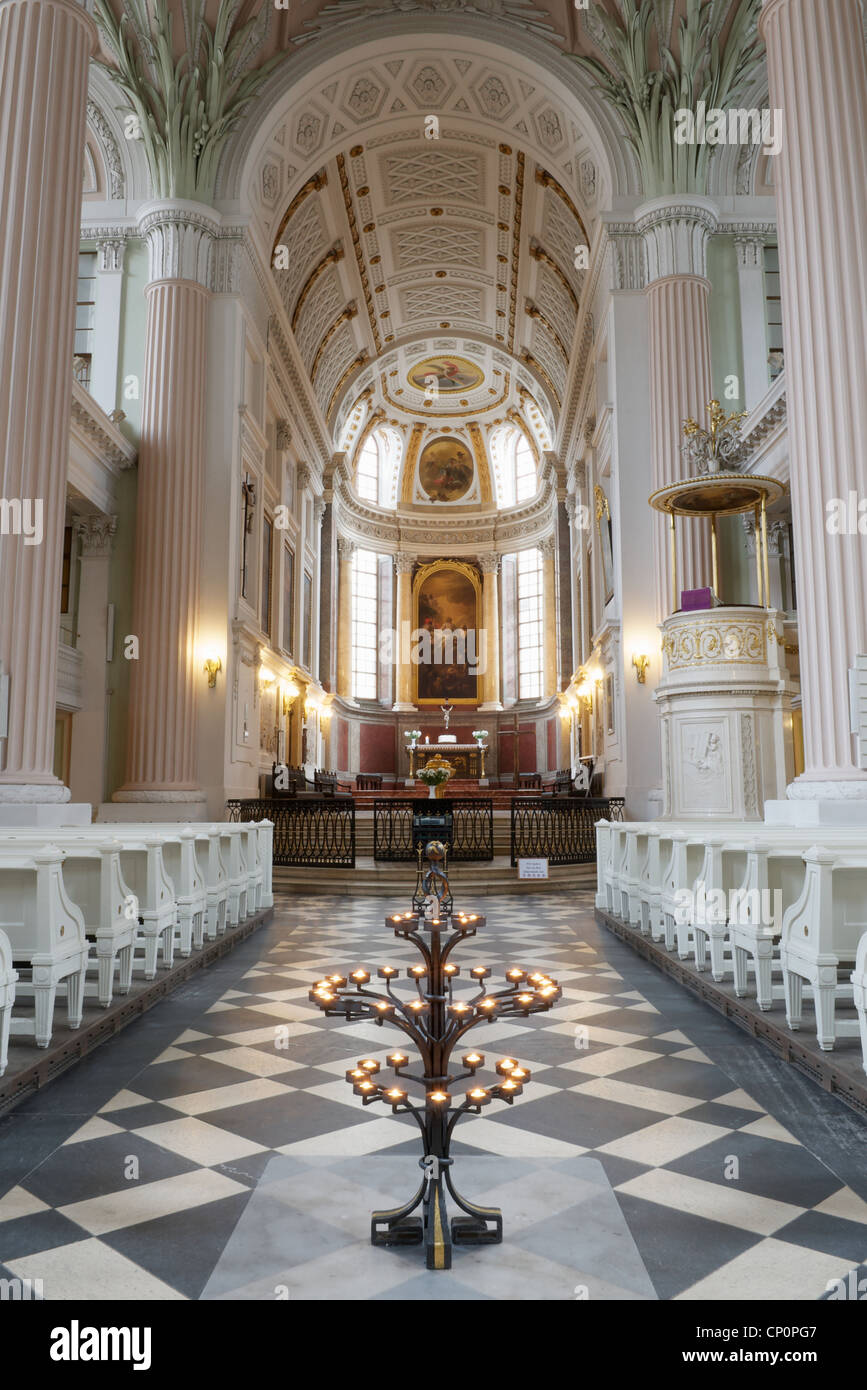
x: 428, y: 206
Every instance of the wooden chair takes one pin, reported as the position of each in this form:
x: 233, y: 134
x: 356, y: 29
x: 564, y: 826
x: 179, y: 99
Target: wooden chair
x: 326, y: 783
x: 368, y: 781
x: 530, y: 782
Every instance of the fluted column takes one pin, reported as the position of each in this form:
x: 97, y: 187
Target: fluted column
x: 345, y: 551
x: 550, y: 682
x: 490, y: 565
x: 403, y: 568
x: 676, y: 233
x: 45, y: 46
x: 817, y: 65
x: 754, y: 333
x: 166, y: 679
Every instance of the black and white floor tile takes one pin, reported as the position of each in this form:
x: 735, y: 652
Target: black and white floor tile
x: 229, y: 1158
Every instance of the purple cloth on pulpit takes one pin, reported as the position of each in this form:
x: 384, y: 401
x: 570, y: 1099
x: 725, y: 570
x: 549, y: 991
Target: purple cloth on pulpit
x: 692, y: 600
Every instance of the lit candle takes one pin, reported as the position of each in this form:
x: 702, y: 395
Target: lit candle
x: 460, y: 1009
x: 385, y: 972
x: 519, y: 1074
x: 514, y: 974
x: 356, y: 1074
x: 506, y: 1065
x: 525, y: 998
x: 398, y: 1060
x: 477, y: 1095
x: 489, y: 1005
x: 337, y: 980
x: 369, y: 1064
x: 472, y: 1059
x: 383, y: 1005
x: 363, y: 1088
x: 511, y: 1086
x: 417, y: 970
x: 395, y: 1095
x: 451, y: 970
x: 361, y: 976
x: 480, y: 972
x: 439, y: 1097
x: 417, y: 1004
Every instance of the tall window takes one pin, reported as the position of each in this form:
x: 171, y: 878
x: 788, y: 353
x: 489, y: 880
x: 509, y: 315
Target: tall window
x: 773, y: 306
x: 267, y: 545
x: 288, y: 598
x: 85, y: 309
x: 530, y: 625
x: 365, y: 612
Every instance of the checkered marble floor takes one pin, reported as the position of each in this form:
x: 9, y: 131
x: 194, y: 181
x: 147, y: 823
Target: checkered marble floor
x: 715, y: 1197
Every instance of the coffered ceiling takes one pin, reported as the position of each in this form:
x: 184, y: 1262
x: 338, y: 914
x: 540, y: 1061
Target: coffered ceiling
x: 429, y: 207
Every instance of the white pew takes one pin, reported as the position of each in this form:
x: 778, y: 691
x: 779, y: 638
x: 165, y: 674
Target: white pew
x: 94, y: 881
x: 144, y: 871
x: 821, y: 933
x: 8, y: 976
x: 216, y: 878
x: 46, y: 934
x: 233, y: 841
x: 859, y: 983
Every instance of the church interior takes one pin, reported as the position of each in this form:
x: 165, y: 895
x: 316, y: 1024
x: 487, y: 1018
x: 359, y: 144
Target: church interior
x: 433, y: 500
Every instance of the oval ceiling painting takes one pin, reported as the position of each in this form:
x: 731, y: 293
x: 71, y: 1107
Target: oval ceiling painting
x: 446, y: 469
x: 436, y: 375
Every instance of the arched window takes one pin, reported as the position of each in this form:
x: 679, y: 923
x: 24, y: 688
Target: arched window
x: 378, y: 466
x: 525, y: 471
x: 514, y: 465
x: 367, y: 473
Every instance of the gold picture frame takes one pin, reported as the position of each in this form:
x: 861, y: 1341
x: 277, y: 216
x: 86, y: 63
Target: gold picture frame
x: 424, y: 600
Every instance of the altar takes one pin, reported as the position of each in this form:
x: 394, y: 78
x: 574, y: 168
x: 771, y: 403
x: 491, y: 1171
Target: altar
x: 467, y: 759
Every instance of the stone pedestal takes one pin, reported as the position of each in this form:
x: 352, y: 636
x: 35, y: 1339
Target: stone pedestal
x: 725, y: 707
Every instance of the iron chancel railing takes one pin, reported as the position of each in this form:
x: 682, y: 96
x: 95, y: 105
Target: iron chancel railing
x: 559, y: 829
x: 465, y: 823
x: 318, y: 832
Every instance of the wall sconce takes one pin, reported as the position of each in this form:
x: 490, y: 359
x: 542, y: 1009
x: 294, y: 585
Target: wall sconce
x: 213, y: 665
x: 641, y: 663
x: 290, y: 692
x: 266, y: 677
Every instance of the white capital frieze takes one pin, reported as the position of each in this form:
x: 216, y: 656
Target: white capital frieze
x: 489, y: 564
x: 676, y: 234
x: 96, y: 534
x: 403, y: 563
x: 180, y: 239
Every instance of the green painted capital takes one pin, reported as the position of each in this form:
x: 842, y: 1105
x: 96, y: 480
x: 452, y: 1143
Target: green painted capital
x: 650, y: 68
x: 182, y: 108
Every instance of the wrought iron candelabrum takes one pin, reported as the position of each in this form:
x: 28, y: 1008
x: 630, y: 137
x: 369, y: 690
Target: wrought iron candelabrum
x: 435, y: 1019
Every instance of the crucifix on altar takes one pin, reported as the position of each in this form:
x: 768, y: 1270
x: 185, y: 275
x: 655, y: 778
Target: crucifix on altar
x: 446, y: 711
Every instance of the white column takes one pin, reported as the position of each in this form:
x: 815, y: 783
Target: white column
x: 302, y: 483
x: 490, y: 566
x: 754, y: 331
x: 676, y: 234
x: 403, y: 565
x: 817, y: 65
x: 45, y: 47
x: 89, y: 724
x: 167, y: 677
x: 345, y: 551
x: 316, y: 616
x: 106, y: 336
